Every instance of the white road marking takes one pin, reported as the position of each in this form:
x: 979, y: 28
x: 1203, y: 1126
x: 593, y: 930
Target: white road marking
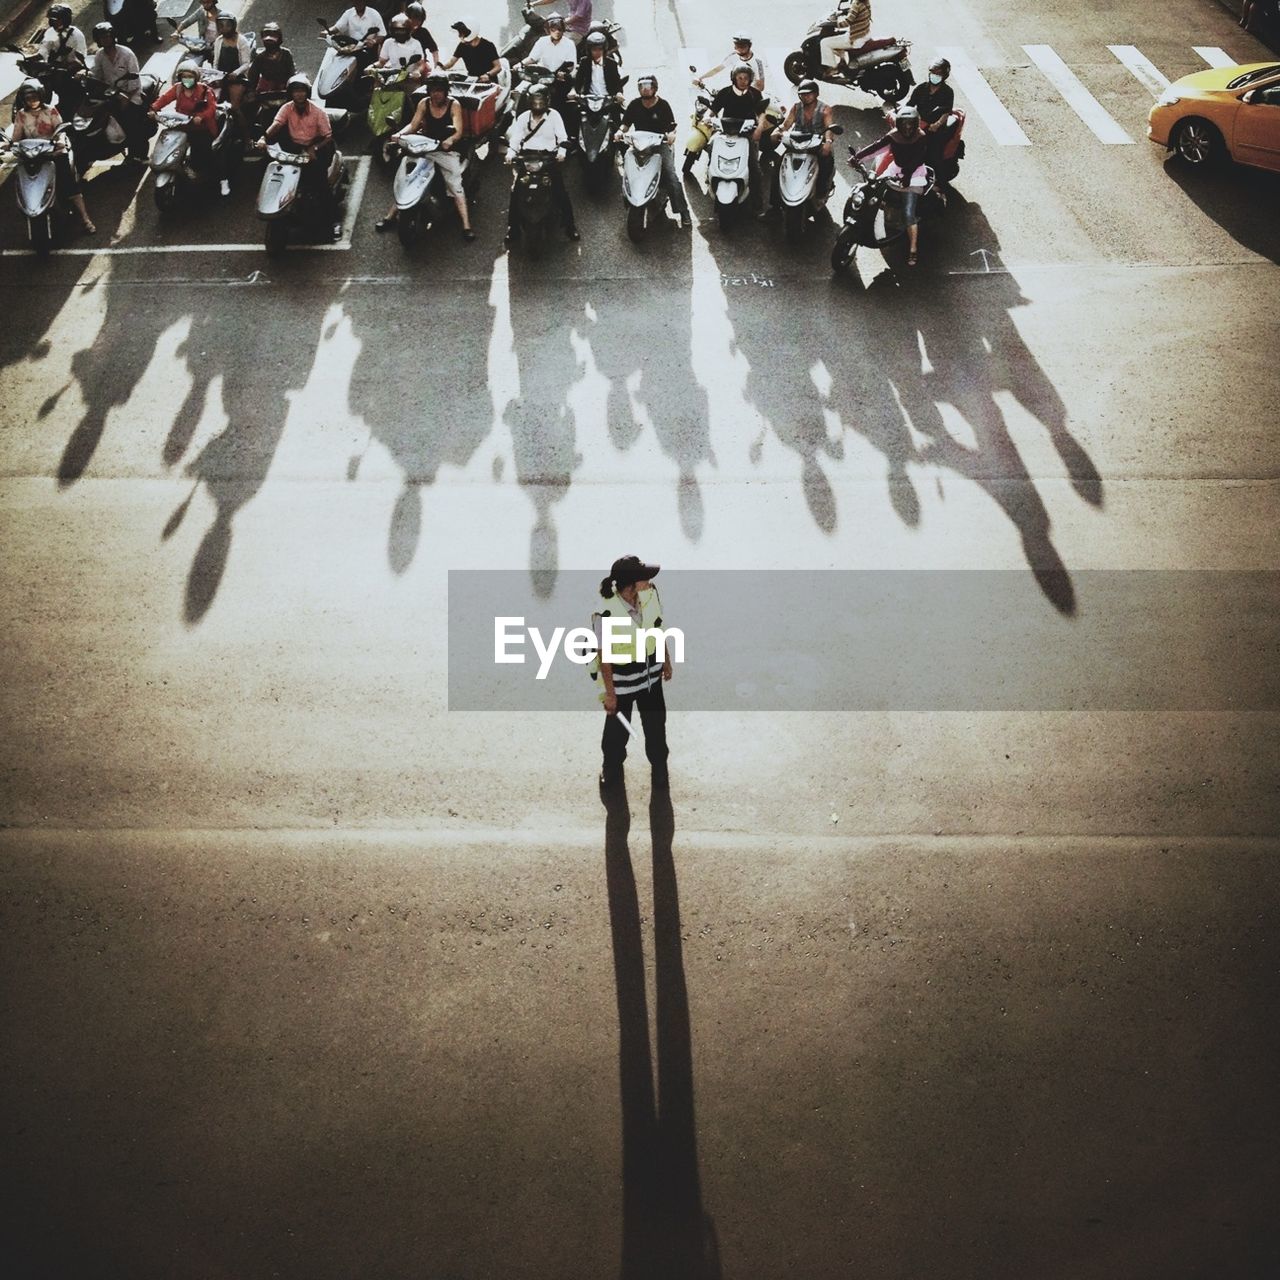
x: 354, y: 199
x: 1004, y: 128
x: 1078, y: 98
x: 1213, y: 56
x: 1142, y: 68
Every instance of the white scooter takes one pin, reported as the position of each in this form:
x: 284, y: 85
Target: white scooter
x: 339, y: 82
x: 798, y: 179
x: 729, y: 168
x: 419, y: 190
x: 281, y: 198
x: 642, y: 180
x: 37, y: 185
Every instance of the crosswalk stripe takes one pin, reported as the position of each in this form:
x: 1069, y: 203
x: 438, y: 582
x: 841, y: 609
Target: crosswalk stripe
x: 1143, y: 68
x: 1213, y: 56
x: 1078, y: 98
x: 1004, y: 128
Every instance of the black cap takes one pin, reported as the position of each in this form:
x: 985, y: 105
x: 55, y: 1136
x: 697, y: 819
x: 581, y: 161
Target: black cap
x: 629, y: 569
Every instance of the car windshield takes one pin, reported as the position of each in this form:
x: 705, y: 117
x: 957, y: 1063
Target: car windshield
x: 1252, y: 77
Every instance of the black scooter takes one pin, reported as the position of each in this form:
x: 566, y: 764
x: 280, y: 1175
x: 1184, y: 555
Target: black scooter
x: 881, y: 67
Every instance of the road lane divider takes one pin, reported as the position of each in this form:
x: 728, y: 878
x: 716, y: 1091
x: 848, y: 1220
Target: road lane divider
x: 1213, y: 56
x: 1076, y: 96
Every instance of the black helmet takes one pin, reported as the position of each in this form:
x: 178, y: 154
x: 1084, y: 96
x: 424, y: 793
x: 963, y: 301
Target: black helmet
x: 60, y: 13
x: 298, y: 82
x: 740, y: 69
x: 415, y: 12
x: 807, y: 86
x: 597, y: 40
x: 228, y: 19
x: 102, y: 31
x: 941, y: 66
x: 437, y: 80
x: 647, y: 79
x: 272, y: 31
x: 906, y: 119
x: 27, y: 88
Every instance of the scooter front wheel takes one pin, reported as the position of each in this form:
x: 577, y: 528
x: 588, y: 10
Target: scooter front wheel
x: 796, y: 67
x: 725, y: 215
x: 793, y: 222
x: 40, y: 233
x: 408, y: 224
x: 635, y: 224
x: 535, y: 238
x: 166, y: 197
x: 842, y: 251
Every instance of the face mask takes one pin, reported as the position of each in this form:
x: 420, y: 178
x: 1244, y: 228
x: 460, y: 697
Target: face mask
x: 188, y: 82
x: 935, y: 79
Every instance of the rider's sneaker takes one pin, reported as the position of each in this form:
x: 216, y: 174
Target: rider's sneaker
x: 225, y: 187
x: 337, y: 231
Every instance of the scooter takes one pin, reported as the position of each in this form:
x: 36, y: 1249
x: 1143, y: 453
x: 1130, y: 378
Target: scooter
x: 703, y: 128
x: 172, y: 173
x: 535, y: 25
x: 98, y: 125
x: 132, y: 20
x: 386, y: 103
x: 419, y: 190
x: 596, y: 125
x: 877, y: 66
x: 37, y: 184
x: 798, y: 179
x: 642, y: 181
x: 532, y: 211
x: 875, y: 213
x: 729, y: 168
x: 339, y: 83
x: 282, y: 199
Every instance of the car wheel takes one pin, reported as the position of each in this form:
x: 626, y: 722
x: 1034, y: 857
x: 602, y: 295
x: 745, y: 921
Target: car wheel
x: 1198, y: 143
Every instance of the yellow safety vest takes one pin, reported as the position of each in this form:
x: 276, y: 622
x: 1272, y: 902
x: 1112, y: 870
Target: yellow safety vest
x: 642, y: 669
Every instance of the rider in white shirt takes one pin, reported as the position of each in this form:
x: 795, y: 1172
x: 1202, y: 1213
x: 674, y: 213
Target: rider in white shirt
x: 357, y: 22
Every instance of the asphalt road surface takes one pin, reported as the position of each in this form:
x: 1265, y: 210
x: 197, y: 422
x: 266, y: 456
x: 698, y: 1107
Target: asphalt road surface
x: 308, y: 976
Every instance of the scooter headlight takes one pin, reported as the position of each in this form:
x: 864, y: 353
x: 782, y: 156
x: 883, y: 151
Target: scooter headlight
x: 858, y: 198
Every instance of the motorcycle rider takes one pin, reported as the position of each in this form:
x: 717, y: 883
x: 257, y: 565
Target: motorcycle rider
x: 35, y: 118
x: 909, y: 151
x: 741, y: 54
x: 190, y: 96
x: 935, y: 100
x: 272, y: 66
x: 651, y: 114
x: 306, y: 129
x: 113, y: 63
x: 417, y: 16
x: 810, y: 115
x: 204, y: 20
x: 361, y: 25
x: 231, y: 54
x: 63, y: 44
x: 399, y: 49
x: 579, y: 23
x: 559, y: 55
x: 541, y: 128
x: 855, y: 31
x: 479, y: 56
x: 438, y: 116
x: 740, y: 100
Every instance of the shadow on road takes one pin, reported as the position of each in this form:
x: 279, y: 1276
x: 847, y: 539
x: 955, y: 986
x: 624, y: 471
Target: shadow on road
x: 665, y: 1232
x: 1241, y: 200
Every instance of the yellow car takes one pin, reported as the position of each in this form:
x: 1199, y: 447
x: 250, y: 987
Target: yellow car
x: 1231, y: 111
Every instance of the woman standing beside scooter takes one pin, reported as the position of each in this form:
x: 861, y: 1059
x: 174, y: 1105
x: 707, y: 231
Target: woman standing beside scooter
x: 35, y: 118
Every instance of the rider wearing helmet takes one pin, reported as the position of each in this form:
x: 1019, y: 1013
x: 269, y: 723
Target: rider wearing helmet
x: 554, y: 50
x: 579, y: 23
x: 417, y: 16
x: 649, y: 113
x: 304, y: 127
x: 541, y: 128
x: 810, y: 115
x: 935, y: 100
x: 907, y: 168
x: 115, y: 65
x: 479, y: 56
x: 63, y: 44
x: 400, y: 50
x: 740, y: 100
x: 272, y: 66
x: 231, y: 54
x: 741, y: 53
x: 191, y: 97
x: 438, y: 116
x: 33, y: 117
x: 597, y: 75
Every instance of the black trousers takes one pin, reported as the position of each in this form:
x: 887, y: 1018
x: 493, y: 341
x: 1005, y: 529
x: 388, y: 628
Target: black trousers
x: 652, y: 706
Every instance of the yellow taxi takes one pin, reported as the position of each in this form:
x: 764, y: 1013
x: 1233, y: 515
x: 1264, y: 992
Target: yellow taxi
x: 1227, y: 111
